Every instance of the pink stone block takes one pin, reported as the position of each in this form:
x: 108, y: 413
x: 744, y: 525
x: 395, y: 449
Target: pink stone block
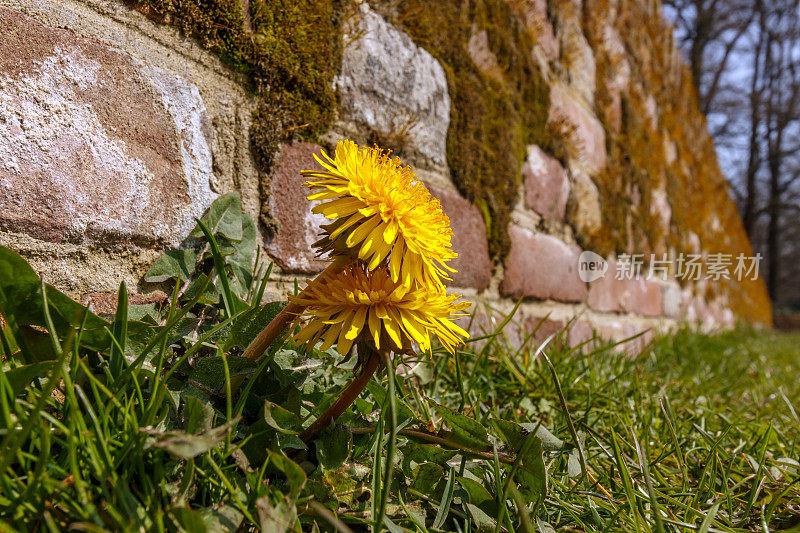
x: 541, y: 266
x: 474, y: 268
x: 546, y: 184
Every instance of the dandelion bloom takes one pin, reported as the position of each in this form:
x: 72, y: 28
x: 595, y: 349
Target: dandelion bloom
x: 343, y: 305
x: 381, y: 210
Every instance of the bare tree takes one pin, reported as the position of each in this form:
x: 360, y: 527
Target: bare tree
x: 745, y: 58
x: 709, y: 30
x: 750, y: 200
x: 781, y: 99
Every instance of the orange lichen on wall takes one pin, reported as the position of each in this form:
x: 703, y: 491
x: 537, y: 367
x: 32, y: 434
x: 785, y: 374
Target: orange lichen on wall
x: 657, y: 138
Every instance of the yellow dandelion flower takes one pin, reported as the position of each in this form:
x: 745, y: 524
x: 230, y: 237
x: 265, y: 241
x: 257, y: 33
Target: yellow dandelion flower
x: 381, y: 211
x: 355, y: 302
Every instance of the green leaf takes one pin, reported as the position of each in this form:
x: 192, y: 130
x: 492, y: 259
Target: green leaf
x: 627, y: 482
x: 188, y: 520
x: 280, y: 419
x: 68, y: 315
x: 514, y: 435
x: 427, y: 478
x: 414, y: 511
x: 210, y: 294
x: 481, y: 519
x: 22, y: 376
x: 120, y: 332
x: 143, y: 313
x: 280, y: 517
x: 421, y: 453
x: 424, y: 371
x: 223, y: 217
x: 21, y: 303
x: 709, y: 519
x: 197, y: 415
x: 8, y: 344
x: 363, y: 406
x: 533, y: 475
x: 246, y: 248
x: 38, y: 346
x: 221, y: 518
x: 15, y: 271
x: 404, y: 412
x: 250, y: 323
x: 341, y: 484
x: 260, y: 438
x: 465, y: 430
x: 186, y: 445
x: 209, y: 372
x: 333, y: 446
x: 295, y: 475
x: 173, y: 264
x: 550, y: 442
x: 241, y: 261
x: 219, y: 268
x: 391, y: 526
x: 4, y: 527
x: 478, y: 494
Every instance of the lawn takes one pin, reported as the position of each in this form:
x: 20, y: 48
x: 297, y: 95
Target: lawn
x: 150, y: 419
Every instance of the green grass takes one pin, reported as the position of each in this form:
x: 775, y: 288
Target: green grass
x: 181, y: 434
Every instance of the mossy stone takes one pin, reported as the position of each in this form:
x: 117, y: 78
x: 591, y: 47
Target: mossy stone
x: 492, y: 121
x: 290, y: 49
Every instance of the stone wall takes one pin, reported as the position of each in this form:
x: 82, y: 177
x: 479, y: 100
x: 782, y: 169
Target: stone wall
x: 116, y: 130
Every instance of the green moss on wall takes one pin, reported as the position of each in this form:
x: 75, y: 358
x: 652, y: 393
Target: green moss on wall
x: 492, y: 117
x: 289, y: 49
x: 218, y: 24
x: 298, y: 52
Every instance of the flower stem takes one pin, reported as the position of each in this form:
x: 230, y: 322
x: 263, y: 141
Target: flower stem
x: 392, y: 420
x: 345, y: 399
x: 439, y: 441
x: 267, y: 335
x: 288, y: 314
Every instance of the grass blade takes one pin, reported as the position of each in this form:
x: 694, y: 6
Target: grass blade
x: 654, y: 506
x: 627, y: 482
x: 119, y: 332
x: 759, y: 475
x: 13, y: 441
x: 447, y: 497
x: 219, y: 268
x: 712, y: 514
